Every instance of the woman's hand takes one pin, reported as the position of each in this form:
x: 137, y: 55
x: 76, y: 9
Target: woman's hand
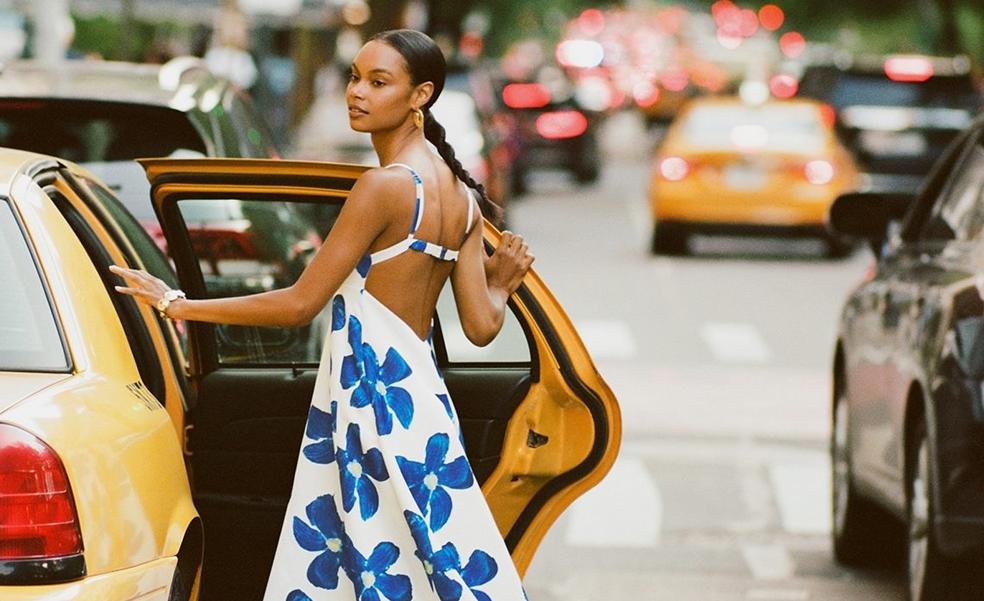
x: 507, y: 266
x: 140, y: 285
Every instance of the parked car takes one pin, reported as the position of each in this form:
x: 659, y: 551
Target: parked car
x: 104, y: 115
x: 897, y: 113
x: 908, y: 410
x: 725, y: 166
x: 124, y: 465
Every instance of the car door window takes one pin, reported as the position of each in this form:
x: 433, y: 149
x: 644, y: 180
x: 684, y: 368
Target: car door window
x: 29, y: 336
x: 511, y: 346
x: 245, y: 246
x: 959, y: 213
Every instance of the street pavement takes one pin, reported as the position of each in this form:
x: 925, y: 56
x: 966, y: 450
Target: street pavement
x: 721, y: 364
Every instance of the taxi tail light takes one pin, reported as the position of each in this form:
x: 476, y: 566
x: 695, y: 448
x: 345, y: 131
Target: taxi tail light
x: 526, y: 95
x: 559, y: 125
x: 819, y: 172
x: 38, y: 519
x: 674, y: 169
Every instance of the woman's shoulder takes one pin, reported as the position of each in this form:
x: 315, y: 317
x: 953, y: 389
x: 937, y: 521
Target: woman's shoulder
x: 383, y: 182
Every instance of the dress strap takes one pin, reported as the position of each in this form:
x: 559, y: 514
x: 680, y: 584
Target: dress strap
x: 419, y: 191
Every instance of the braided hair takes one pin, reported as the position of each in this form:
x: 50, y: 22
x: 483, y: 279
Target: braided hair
x: 425, y: 62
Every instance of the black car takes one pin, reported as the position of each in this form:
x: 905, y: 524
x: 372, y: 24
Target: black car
x: 897, y: 113
x: 552, y: 129
x: 908, y: 375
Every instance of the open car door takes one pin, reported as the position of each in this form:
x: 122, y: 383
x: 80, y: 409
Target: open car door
x: 540, y: 425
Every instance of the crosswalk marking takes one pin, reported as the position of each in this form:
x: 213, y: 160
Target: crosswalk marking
x: 768, y: 562
x: 624, y: 510
x: 802, y: 492
x: 607, y: 338
x: 735, y: 342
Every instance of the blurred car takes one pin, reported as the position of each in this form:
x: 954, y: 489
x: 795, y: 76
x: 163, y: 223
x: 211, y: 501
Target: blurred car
x: 897, y: 113
x: 730, y: 167
x: 908, y: 402
x: 102, y: 423
x: 552, y: 129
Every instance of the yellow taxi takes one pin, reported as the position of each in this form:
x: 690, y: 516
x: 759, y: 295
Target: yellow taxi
x: 144, y: 459
x: 726, y: 166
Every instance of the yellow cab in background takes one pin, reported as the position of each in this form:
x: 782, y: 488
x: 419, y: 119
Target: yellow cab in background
x: 130, y: 473
x: 726, y: 166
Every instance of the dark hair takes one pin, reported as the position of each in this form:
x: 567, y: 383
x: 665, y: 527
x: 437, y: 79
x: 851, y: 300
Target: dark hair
x: 425, y: 62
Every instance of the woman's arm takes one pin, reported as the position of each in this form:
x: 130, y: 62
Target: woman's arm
x: 363, y: 217
x: 482, y: 285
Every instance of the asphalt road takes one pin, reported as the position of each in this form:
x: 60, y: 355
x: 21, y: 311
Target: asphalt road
x: 720, y: 362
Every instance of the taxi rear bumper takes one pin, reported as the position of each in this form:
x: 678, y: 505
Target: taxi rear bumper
x: 146, y: 582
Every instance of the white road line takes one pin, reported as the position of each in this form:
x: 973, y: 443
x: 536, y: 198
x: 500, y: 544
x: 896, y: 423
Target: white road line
x: 624, y: 510
x: 607, y: 338
x: 768, y: 562
x: 803, y: 494
x: 735, y: 342
x: 777, y: 594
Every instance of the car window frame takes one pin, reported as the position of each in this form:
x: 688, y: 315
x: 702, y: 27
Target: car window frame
x: 69, y: 365
x: 937, y: 183
x: 124, y: 245
x: 139, y: 340
x: 958, y: 169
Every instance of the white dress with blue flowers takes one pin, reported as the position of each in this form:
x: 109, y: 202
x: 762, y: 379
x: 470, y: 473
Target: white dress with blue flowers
x: 384, y: 503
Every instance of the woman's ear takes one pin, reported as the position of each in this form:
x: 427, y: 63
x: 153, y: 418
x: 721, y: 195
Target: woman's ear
x: 422, y: 93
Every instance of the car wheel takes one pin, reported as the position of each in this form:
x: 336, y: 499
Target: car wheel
x: 863, y: 535
x: 837, y: 248
x: 587, y: 173
x: 669, y: 239
x: 932, y: 575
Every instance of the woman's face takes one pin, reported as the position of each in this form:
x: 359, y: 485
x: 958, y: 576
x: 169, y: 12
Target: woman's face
x: 380, y: 94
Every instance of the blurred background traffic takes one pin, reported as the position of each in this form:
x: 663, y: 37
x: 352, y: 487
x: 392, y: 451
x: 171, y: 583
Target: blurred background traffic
x: 672, y: 165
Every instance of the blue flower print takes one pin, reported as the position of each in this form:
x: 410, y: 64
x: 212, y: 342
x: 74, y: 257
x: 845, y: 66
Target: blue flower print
x: 446, y: 401
x: 436, y: 564
x: 365, y: 263
x: 427, y: 481
x: 297, y: 595
x: 370, y: 576
x: 357, y: 471
x: 337, y: 313
x: 320, y: 425
x: 325, y: 534
x: 479, y: 570
x: 375, y: 383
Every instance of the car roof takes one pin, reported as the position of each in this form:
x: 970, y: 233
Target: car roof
x: 179, y: 84
x: 12, y: 162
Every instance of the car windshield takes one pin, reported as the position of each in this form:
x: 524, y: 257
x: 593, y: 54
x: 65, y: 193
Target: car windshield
x: 775, y: 128
x: 29, y: 337
x: 852, y: 89
x: 90, y: 131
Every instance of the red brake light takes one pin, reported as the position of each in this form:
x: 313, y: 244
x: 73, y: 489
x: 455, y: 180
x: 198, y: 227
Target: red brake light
x: 674, y: 169
x: 561, y: 124
x: 819, y: 172
x: 37, y: 510
x: 908, y: 68
x: 526, y: 95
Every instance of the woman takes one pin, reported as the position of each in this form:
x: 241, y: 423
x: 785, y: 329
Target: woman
x: 384, y: 502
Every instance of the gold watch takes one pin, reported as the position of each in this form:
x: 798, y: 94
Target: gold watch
x: 167, y: 299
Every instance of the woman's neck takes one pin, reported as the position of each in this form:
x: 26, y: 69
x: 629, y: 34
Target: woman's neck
x: 391, y: 143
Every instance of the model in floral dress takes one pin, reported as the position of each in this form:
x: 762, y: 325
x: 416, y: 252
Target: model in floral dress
x: 384, y: 504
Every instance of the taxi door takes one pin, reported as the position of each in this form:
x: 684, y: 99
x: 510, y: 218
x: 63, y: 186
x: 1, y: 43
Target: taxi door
x: 540, y: 425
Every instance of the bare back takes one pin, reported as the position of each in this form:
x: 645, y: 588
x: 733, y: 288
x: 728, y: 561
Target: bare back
x: 409, y: 283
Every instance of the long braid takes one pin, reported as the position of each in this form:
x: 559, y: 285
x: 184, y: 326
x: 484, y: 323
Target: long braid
x: 435, y: 134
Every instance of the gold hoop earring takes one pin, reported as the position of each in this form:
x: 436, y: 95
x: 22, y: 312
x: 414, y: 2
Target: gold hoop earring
x: 418, y: 118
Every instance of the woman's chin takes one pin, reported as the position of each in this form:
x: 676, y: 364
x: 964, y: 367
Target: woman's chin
x: 358, y: 125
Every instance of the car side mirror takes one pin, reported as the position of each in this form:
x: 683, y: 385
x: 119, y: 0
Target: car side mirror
x: 868, y: 214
